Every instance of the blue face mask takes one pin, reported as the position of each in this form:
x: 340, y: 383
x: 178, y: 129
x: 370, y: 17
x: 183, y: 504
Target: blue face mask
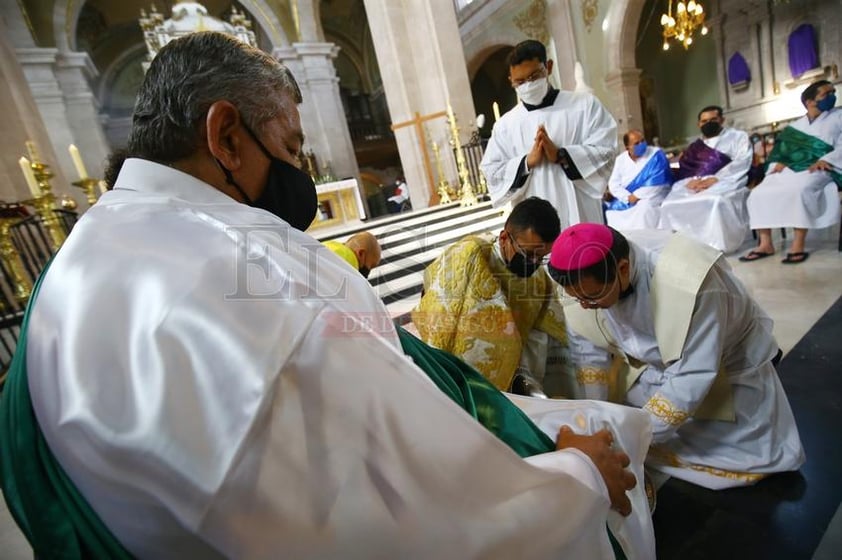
x: 640, y: 149
x: 826, y: 104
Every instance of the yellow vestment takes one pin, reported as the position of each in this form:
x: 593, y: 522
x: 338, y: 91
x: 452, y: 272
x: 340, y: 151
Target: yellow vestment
x: 475, y: 308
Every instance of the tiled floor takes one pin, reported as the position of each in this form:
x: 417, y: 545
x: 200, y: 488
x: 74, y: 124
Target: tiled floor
x: 796, y: 297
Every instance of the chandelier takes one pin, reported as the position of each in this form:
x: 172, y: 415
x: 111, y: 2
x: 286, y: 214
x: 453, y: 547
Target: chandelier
x: 687, y: 18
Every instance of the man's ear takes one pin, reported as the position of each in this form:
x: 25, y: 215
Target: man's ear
x: 549, y: 67
x: 360, y: 253
x: 224, y: 134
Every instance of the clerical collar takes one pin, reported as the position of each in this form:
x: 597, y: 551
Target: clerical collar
x: 549, y: 99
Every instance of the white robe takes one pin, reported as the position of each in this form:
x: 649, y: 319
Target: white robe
x: 727, y: 329
x: 577, y: 122
x: 646, y: 213
x: 716, y: 216
x: 801, y: 199
x: 219, y: 385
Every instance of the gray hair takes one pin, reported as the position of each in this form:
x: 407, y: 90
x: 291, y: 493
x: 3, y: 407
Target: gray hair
x: 189, y: 75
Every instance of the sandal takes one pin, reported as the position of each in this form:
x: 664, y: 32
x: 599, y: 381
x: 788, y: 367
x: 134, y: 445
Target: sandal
x: 754, y: 256
x: 795, y: 258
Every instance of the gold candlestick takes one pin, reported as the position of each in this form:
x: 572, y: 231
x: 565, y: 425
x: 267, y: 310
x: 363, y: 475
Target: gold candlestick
x: 14, y: 264
x: 444, y: 185
x: 468, y: 196
x: 88, y: 184
x: 45, y: 204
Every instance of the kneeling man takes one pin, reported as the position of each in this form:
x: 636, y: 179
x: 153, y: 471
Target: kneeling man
x: 698, y: 348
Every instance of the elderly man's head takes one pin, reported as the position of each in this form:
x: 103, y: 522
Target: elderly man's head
x: 227, y: 114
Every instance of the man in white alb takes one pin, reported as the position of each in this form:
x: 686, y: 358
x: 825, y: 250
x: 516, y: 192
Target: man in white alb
x: 697, y: 347
x: 556, y: 145
x: 638, y: 184
x: 708, y: 200
x: 802, y: 178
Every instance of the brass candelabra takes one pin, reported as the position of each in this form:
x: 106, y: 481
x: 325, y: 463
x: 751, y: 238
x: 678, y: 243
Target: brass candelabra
x: 45, y: 204
x: 468, y: 196
x: 443, y: 185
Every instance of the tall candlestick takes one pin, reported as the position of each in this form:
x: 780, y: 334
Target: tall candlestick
x: 26, y: 167
x: 77, y: 161
x: 496, y: 108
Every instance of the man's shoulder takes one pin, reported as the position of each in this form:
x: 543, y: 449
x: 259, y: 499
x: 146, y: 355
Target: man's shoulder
x: 736, y: 133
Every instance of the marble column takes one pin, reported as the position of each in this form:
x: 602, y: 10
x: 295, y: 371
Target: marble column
x: 627, y: 111
x: 74, y: 70
x: 20, y: 121
x: 560, y: 26
x: 322, y: 114
x: 422, y: 62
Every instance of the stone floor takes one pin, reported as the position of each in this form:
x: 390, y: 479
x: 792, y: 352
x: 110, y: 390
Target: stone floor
x: 796, y: 297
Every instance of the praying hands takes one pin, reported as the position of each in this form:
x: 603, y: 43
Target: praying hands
x: 543, y: 147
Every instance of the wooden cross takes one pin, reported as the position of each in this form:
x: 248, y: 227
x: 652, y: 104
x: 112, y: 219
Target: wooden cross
x: 418, y: 121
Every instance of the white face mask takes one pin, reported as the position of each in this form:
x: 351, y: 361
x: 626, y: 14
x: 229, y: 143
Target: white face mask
x: 532, y: 93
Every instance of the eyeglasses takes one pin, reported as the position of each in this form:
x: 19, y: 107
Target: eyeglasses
x: 593, y: 300
x: 536, y: 75
x: 535, y: 259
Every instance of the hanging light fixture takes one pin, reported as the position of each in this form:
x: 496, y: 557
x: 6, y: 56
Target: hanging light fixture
x: 688, y: 17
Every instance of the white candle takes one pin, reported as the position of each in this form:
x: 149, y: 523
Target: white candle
x: 32, y: 151
x: 496, y: 108
x: 450, y: 112
x: 77, y: 161
x: 26, y: 167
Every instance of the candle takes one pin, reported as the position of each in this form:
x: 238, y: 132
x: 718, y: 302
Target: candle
x: 103, y: 187
x: 450, y: 112
x: 32, y: 151
x: 26, y: 167
x: 77, y: 161
x: 496, y: 108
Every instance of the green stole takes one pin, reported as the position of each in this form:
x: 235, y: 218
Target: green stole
x: 482, y: 400
x: 798, y: 151
x: 53, y: 515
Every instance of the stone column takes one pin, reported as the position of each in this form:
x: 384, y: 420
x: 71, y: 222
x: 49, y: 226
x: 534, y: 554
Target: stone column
x: 560, y: 26
x: 39, y: 68
x: 322, y: 115
x: 422, y: 62
x: 74, y: 69
x: 626, y: 83
x: 20, y: 121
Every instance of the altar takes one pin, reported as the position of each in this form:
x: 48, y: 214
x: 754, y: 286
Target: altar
x: 340, y: 204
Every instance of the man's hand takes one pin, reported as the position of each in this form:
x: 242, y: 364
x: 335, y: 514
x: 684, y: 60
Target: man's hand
x: 549, y: 147
x: 699, y: 185
x: 633, y: 199
x: 536, y: 154
x: 820, y: 165
x: 611, y: 464
x: 777, y: 168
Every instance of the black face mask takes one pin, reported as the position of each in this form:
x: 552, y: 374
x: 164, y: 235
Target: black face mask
x: 365, y: 271
x: 520, y: 266
x: 289, y: 193
x: 711, y: 129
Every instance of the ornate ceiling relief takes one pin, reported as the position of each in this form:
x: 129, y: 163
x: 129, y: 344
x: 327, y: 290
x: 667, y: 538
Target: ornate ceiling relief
x: 533, y: 21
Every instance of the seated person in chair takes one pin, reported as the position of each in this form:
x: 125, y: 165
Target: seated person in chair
x: 490, y: 302
x: 707, y: 202
x: 804, y: 173
x: 699, y: 352
x: 639, y: 182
